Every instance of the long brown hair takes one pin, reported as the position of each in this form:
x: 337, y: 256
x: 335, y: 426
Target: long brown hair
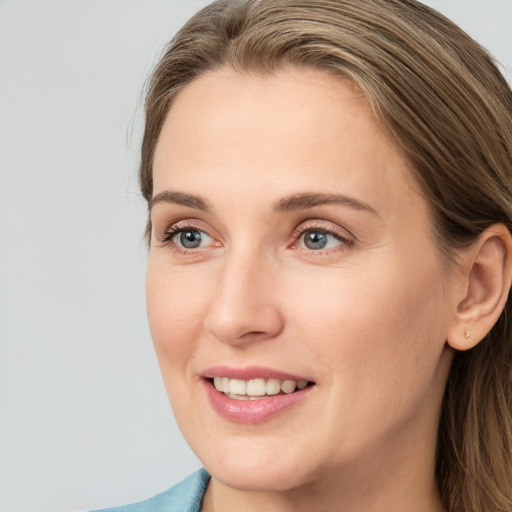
x: 447, y: 106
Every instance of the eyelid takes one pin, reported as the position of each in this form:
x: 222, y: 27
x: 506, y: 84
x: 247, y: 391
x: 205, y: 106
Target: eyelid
x: 345, y: 237
x: 165, y: 237
x: 325, y: 226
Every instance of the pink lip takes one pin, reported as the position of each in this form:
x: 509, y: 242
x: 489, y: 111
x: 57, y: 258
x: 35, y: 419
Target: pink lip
x: 251, y: 411
x: 248, y: 373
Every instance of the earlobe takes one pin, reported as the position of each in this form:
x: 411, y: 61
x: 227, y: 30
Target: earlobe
x: 487, y: 274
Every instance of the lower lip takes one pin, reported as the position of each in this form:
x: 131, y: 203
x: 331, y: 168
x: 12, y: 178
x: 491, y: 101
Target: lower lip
x: 253, y: 411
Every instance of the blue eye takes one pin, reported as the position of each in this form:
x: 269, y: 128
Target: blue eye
x: 315, y: 240
x: 319, y: 239
x: 190, y: 238
x: 187, y: 238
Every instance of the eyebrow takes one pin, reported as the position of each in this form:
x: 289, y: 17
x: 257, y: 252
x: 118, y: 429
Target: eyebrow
x: 169, y: 196
x: 310, y: 200
x: 295, y: 202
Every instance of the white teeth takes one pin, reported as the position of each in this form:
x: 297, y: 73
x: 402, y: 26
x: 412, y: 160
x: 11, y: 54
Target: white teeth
x: 256, y: 387
x: 273, y: 386
x: 238, y: 388
x: 243, y: 397
x: 288, y: 386
x: 302, y: 384
x: 217, y: 382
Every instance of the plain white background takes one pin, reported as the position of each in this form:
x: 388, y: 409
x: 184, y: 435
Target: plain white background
x: 83, y: 415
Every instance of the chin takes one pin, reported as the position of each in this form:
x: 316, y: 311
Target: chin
x: 257, y: 477
x: 251, y: 464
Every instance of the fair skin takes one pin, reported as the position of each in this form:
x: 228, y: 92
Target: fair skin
x: 266, y: 267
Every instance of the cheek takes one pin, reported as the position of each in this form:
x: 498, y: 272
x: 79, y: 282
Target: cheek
x: 378, y: 339
x: 175, y: 307
x: 377, y: 331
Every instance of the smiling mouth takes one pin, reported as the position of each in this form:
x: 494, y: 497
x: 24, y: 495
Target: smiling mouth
x: 257, y: 389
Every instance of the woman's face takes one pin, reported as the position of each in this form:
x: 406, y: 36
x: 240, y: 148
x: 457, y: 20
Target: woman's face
x: 288, y: 245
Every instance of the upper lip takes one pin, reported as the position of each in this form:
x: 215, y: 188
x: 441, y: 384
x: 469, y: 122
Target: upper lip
x: 249, y: 373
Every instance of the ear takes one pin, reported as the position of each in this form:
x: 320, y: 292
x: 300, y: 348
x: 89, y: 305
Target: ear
x: 487, y: 275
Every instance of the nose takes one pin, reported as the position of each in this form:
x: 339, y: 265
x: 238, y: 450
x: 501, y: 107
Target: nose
x: 244, y: 307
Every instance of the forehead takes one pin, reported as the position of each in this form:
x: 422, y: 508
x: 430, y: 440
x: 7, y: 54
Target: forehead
x: 284, y: 104
x: 295, y: 129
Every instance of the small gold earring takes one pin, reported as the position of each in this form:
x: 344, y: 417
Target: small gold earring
x: 467, y: 333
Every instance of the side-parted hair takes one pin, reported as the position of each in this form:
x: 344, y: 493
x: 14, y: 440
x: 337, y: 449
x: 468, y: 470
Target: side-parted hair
x: 444, y: 102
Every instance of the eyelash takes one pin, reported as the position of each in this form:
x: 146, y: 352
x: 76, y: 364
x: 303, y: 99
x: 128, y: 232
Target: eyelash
x: 345, y: 241
x: 174, y: 230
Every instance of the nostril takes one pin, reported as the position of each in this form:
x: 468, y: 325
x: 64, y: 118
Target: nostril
x: 253, y: 334
x: 241, y: 313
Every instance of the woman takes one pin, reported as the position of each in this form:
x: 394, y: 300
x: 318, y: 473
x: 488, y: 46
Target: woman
x: 329, y: 191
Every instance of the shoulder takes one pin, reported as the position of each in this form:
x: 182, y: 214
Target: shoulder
x: 183, y: 497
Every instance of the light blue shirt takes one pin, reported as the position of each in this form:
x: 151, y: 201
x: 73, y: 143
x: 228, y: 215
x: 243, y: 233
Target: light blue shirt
x: 186, y: 496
